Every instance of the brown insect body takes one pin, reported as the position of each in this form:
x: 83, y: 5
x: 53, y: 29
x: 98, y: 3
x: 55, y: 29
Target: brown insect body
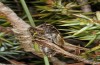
x: 52, y: 35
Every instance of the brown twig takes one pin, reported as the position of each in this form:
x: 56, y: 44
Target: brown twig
x: 54, y: 47
x: 69, y: 47
x: 20, y: 28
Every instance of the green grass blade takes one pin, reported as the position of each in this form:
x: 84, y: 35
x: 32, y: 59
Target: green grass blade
x: 95, y: 36
x: 98, y: 15
x: 29, y: 17
x: 36, y: 47
x: 82, y: 30
x: 96, y: 48
x: 93, y: 49
x: 27, y: 12
x: 1, y: 34
x: 46, y: 60
x: 5, y: 40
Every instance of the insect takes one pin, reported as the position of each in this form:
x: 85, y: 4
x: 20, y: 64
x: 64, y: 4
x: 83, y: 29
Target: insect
x: 50, y: 33
x: 53, y: 35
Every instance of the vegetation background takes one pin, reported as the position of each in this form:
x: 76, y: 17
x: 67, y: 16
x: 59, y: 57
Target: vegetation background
x: 77, y: 20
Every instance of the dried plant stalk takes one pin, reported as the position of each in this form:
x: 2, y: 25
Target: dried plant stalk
x: 20, y: 28
x: 54, y: 47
